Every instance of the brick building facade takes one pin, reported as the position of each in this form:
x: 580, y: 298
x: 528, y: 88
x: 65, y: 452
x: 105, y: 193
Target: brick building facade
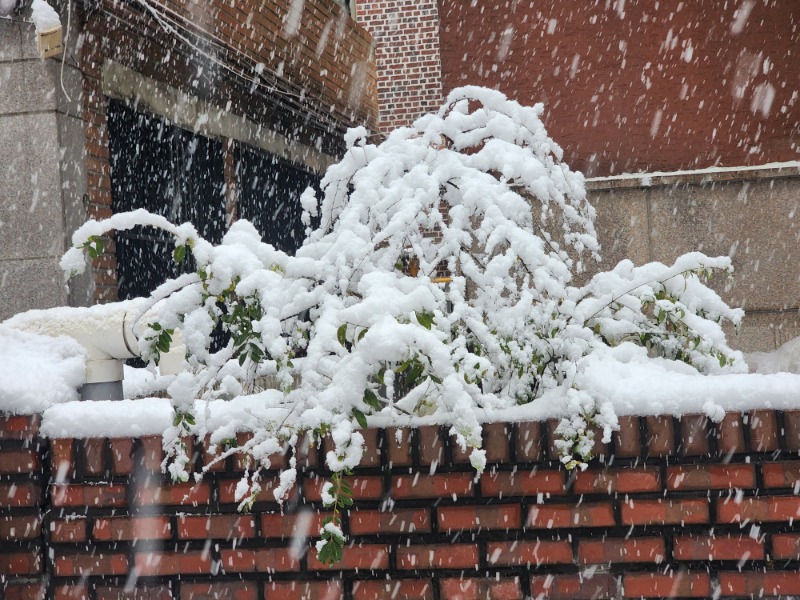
x: 639, y: 95
x: 627, y: 87
x: 407, y: 57
x: 282, y: 80
x: 638, y: 86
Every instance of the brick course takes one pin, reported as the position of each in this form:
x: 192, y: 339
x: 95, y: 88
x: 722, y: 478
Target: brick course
x: 406, y: 41
x: 683, y: 524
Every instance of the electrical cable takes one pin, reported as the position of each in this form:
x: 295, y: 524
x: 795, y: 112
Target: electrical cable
x: 171, y: 25
x: 64, y: 49
x: 301, y: 113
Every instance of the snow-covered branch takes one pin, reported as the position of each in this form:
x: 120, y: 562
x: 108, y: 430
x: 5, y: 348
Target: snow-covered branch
x: 477, y: 194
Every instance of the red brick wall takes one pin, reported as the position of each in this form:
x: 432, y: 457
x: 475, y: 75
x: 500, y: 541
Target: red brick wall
x: 639, y: 86
x: 671, y: 507
x: 325, y: 61
x: 406, y: 38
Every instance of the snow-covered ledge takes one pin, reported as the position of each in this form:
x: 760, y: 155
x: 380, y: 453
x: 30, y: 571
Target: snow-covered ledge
x: 695, y: 176
x: 629, y: 382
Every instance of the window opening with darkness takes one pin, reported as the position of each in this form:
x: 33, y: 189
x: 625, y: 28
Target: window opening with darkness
x: 269, y: 196
x: 169, y: 171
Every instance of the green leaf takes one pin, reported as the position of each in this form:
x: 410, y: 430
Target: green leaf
x: 425, y: 319
x: 331, y: 552
x: 341, y: 334
x: 414, y: 373
x: 722, y: 360
x: 362, y: 333
x: 360, y: 418
x: 179, y: 253
x: 256, y: 353
x: 371, y: 399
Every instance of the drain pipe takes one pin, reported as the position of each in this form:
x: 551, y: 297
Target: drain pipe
x: 106, y: 333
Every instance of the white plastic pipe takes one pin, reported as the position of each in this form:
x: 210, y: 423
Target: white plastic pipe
x: 105, y: 331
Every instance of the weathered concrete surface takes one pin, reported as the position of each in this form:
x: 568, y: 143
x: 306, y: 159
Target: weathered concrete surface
x: 754, y: 221
x: 30, y: 283
x: 73, y: 191
x: 621, y: 226
x: 27, y: 85
x: 43, y: 178
x: 765, y: 331
x: 31, y: 222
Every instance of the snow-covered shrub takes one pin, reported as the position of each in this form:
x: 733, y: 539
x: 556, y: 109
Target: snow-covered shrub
x: 439, y: 285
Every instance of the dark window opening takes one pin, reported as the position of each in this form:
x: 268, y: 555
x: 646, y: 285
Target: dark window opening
x: 269, y: 196
x: 171, y: 172
x: 180, y: 175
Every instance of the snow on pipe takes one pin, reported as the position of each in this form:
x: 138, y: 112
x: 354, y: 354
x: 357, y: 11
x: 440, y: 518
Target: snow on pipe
x: 7, y: 7
x: 107, y: 334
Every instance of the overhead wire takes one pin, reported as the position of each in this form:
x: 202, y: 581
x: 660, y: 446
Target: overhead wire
x: 173, y: 25
x: 64, y: 50
x: 300, y: 113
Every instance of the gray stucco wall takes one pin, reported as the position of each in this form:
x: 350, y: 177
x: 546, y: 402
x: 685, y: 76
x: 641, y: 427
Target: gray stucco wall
x: 42, y: 179
x: 753, y: 216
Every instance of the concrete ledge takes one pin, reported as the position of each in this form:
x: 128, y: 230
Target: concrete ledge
x: 695, y: 177
x: 206, y: 119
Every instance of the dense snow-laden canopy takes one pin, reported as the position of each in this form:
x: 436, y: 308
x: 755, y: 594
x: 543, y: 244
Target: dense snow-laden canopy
x: 439, y: 283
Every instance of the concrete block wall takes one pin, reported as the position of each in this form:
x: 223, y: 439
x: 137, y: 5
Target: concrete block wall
x: 748, y: 215
x: 43, y: 183
x: 678, y: 507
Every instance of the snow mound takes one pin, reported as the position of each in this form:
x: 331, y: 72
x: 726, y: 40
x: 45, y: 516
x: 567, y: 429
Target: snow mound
x: 107, y: 418
x: 638, y: 385
x: 152, y: 416
x: 785, y: 359
x: 44, y: 16
x: 144, y: 383
x: 63, y: 320
x: 37, y: 371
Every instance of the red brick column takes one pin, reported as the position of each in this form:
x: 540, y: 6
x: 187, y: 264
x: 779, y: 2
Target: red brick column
x: 23, y: 485
x: 407, y: 60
